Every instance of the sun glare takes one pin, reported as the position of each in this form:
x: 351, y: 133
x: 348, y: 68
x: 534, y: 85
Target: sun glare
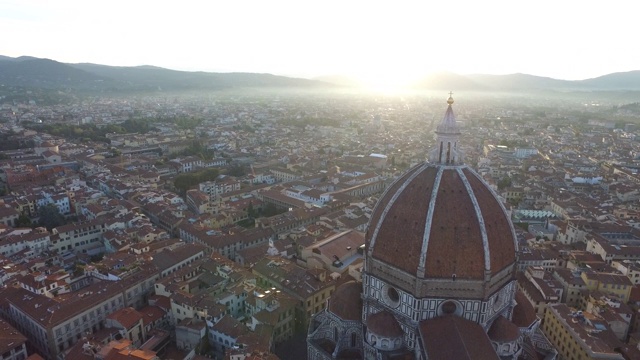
x: 391, y: 79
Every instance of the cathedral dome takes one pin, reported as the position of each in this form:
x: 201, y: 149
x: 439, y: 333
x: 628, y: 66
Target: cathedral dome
x: 441, y: 221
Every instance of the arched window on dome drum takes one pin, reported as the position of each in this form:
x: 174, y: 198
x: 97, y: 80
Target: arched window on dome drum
x: 353, y: 339
x: 448, y: 152
x: 335, y: 334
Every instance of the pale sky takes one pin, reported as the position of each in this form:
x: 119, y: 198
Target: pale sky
x: 379, y: 41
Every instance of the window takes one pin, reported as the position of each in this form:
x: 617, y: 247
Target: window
x: 391, y: 296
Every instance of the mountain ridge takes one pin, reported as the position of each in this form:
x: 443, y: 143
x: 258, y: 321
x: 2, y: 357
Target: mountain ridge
x: 47, y: 73
x: 28, y: 71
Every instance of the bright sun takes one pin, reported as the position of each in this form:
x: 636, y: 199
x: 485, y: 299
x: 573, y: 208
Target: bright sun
x: 389, y: 81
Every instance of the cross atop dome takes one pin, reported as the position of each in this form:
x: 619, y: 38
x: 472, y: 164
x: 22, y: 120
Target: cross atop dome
x: 446, y: 151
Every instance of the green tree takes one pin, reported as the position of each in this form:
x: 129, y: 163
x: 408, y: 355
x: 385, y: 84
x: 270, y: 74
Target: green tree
x: 23, y: 221
x: 50, y: 216
x: 204, y: 347
x: 115, y: 152
x: 209, y: 174
x: 251, y: 211
x: 271, y: 210
x: 504, y: 183
x: 514, y: 202
x: 237, y: 170
x: 184, y: 182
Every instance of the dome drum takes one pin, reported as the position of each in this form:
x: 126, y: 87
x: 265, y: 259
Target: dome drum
x: 436, y: 287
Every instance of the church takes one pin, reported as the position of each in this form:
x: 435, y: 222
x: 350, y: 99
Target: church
x: 439, y: 272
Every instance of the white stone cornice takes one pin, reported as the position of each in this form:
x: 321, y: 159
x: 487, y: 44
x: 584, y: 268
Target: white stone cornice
x: 427, y: 224
x: 483, y: 229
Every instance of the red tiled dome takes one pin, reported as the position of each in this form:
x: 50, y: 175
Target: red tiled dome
x: 523, y: 313
x: 503, y: 330
x: 436, y: 221
x: 384, y: 324
x: 346, y: 302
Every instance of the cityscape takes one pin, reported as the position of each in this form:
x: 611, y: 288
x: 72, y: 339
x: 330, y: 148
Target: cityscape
x: 224, y: 225
x: 352, y: 181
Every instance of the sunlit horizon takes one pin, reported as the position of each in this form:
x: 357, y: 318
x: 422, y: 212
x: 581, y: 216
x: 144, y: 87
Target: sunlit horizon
x: 382, y: 45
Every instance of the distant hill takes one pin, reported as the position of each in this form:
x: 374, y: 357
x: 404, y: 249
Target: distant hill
x: 150, y: 77
x: 617, y: 81
x: 45, y: 73
x: 28, y: 71
x: 524, y: 82
x: 519, y: 82
x: 340, y: 80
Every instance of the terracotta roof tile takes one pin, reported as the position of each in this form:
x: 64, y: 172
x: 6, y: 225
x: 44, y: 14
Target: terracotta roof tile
x: 127, y: 317
x: 384, y: 324
x: 10, y: 337
x: 399, y: 240
x: 501, y: 245
x: 455, y: 239
x: 502, y: 330
x: 346, y: 302
x: 523, y: 313
x: 386, y: 197
x: 453, y: 337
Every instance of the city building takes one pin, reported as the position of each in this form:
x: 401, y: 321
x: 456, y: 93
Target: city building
x: 12, y: 343
x: 578, y: 335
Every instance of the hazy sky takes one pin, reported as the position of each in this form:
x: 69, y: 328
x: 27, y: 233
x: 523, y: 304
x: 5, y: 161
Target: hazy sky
x: 381, y: 41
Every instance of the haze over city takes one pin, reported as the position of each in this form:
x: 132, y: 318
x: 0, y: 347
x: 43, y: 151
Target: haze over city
x: 383, y: 44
